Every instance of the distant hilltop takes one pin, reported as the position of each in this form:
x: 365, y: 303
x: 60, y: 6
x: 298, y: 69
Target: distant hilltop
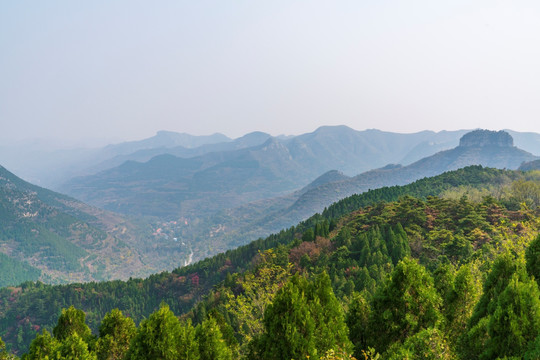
x: 486, y: 138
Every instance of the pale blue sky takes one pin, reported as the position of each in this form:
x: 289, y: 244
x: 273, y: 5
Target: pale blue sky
x: 125, y: 69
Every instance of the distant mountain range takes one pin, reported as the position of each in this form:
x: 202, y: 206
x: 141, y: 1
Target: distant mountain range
x: 220, y: 193
x: 481, y: 147
x: 201, y: 181
x: 42, y: 163
x: 50, y: 165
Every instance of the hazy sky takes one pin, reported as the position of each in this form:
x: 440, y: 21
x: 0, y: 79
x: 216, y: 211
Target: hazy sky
x: 125, y: 69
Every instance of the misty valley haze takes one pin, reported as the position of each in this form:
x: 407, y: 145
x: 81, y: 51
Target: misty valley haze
x: 269, y: 180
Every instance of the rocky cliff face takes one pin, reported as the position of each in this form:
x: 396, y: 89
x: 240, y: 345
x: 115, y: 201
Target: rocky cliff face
x: 486, y: 138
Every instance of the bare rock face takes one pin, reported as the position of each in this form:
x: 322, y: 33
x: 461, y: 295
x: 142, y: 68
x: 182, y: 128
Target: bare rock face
x: 486, y: 138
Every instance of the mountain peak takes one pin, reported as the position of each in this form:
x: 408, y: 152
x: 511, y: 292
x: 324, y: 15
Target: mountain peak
x: 485, y: 138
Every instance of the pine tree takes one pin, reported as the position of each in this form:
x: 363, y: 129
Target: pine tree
x: 211, y: 343
x: 43, y: 347
x: 157, y: 337
x: 405, y: 305
x: 305, y: 319
x: 75, y: 348
x: 532, y: 255
x: 115, y: 334
x: 516, y: 320
x: 70, y: 322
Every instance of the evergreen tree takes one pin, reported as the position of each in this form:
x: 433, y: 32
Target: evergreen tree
x: 532, y: 255
x: 157, y: 337
x: 4, y: 354
x: 331, y: 331
x: 358, y: 323
x: 75, y: 348
x: 115, y: 334
x: 405, y: 305
x: 211, y: 343
x: 188, y: 348
x: 289, y: 327
x: 43, y: 347
x: 516, y: 321
x: 70, y: 322
x: 305, y: 319
x: 460, y: 299
x: 427, y: 344
x: 473, y: 341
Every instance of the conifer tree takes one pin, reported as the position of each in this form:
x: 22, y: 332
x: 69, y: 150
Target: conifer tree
x: 75, y: 348
x: 70, y: 322
x: 188, y: 348
x: 289, y: 328
x: 331, y: 331
x: 516, y: 321
x: 427, y: 344
x: 358, y: 323
x: 473, y: 341
x: 115, y: 334
x: 211, y: 343
x: 460, y: 299
x: 305, y: 319
x: 532, y: 255
x: 157, y: 337
x: 4, y: 354
x: 405, y: 305
x: 44, y: 347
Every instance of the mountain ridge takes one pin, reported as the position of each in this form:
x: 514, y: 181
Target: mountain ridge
x: 292, y: 208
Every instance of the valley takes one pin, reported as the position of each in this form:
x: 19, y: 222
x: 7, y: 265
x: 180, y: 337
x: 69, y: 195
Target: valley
x: 183, y: 242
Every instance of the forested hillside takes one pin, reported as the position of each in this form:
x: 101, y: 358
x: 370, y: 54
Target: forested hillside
x: 236, y: 226
x: 54, y: 238
x: 334, y: 268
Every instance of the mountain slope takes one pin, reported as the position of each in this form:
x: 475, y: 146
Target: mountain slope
x: 29, y: 308
x: 50, y: 165
x: 143, y: 155
x: 480, y: 147
x: 207, y: 182
x: 491, y: 149
x: 55, y: 238
x: 530, y: 165
x: 173, y: 187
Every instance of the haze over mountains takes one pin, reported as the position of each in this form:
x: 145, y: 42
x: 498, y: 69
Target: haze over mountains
x: 210, y: 194
x: 250, y: 192
x: 238, y: 172
x: 50, y: 165
x: 489, y: 149
x: 54, y: 238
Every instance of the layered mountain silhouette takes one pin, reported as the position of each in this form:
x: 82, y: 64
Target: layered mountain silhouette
x: 203, y: 180
x: 47, y: 165
x: 231, y: 191
x: 480, y: 147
